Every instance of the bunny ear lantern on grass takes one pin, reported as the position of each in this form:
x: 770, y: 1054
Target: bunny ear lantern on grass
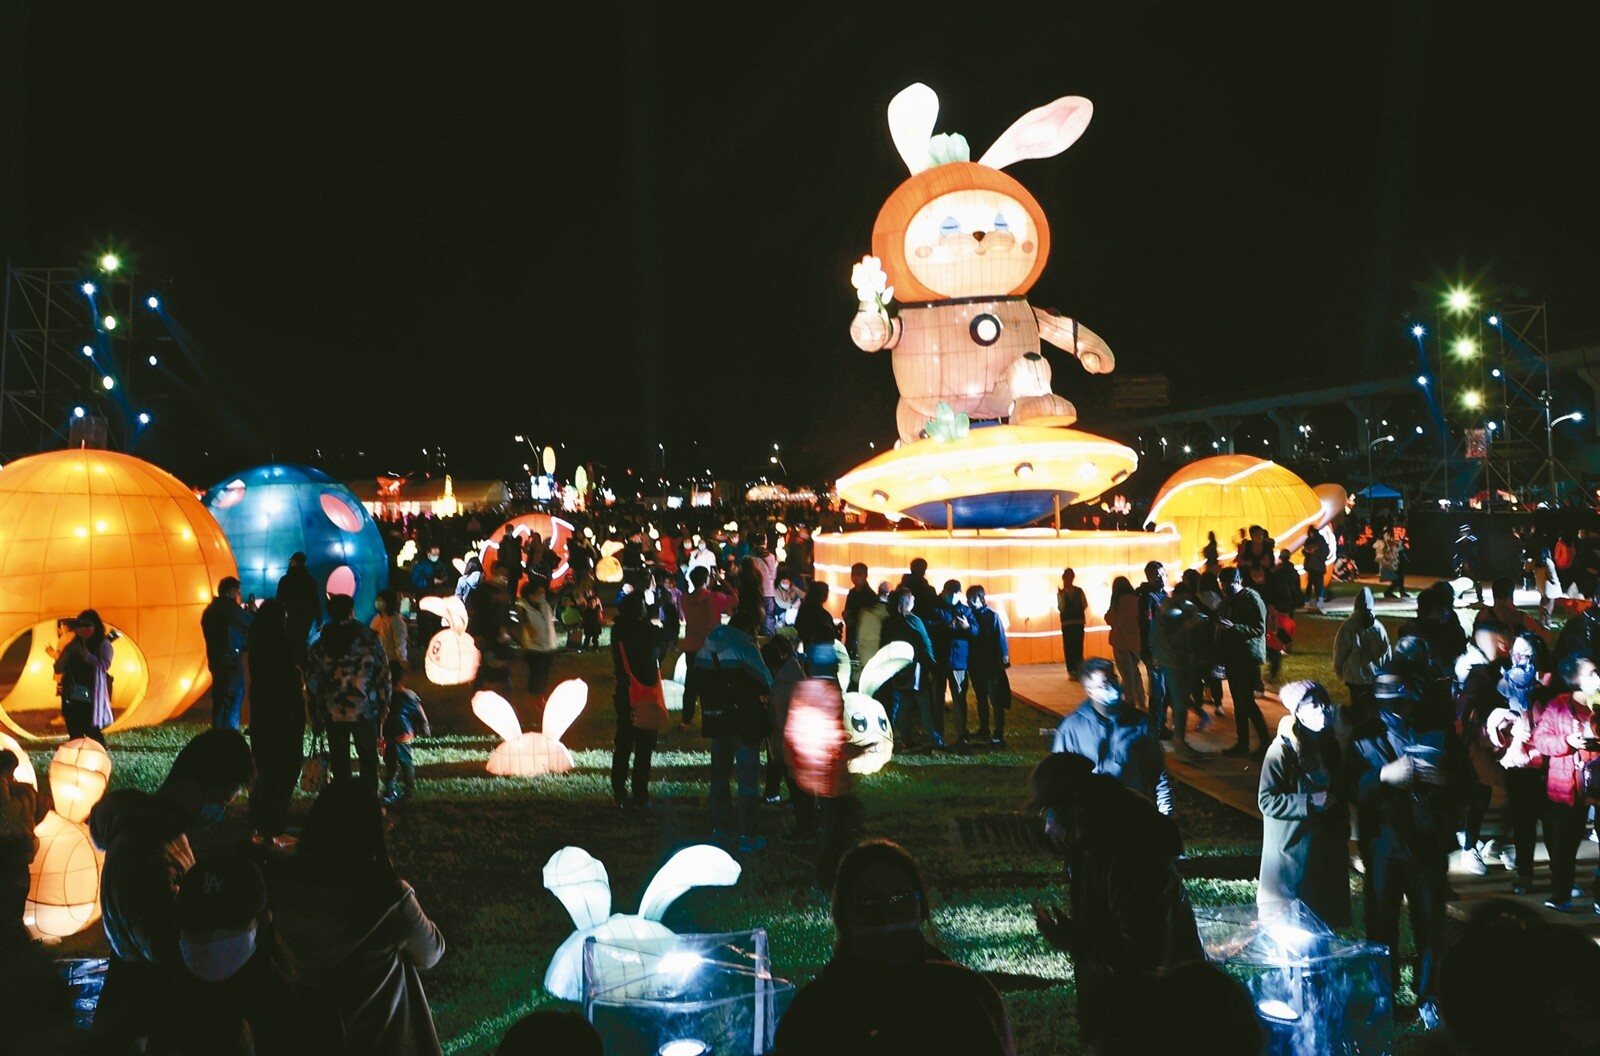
x: 579, y: 880
x: 452, y: 658
x: 528, y: 754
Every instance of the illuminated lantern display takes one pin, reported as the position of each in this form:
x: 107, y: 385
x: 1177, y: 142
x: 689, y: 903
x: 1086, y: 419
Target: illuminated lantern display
x: 96, y: 529
x: 1019, y: 569
x: 24, y: 771
x: 955, y: 250
x: 672, y: 688
x: 609, y: 568
x: 1335, y: 502
x: 1225, y: 493
x: 865, y: 721
x: 452, y: 658
x: 553, y: 530
x: 64, y: 877
x: 528, y: 754
x: 579, y: 880
x: 270, y: 512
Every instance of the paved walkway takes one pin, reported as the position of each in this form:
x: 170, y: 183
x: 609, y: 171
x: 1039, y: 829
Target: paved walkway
x: 1046, y: 688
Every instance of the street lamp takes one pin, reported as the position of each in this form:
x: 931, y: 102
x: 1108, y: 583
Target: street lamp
x: 1372, y: 481
x: 1550, y: 444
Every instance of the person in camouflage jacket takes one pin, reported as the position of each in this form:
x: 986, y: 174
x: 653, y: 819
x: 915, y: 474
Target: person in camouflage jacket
x: 348, y: 685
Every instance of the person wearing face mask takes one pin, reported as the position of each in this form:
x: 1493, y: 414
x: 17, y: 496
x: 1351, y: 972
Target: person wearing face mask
x: 987, y: 661
x: 85, y: 669
x: 391, y: 627
x: 888, y: 989
x: 145, y: 837
x: 1413, y: 779
x: 1305, y: 837
x: 953, y: 630
x: 1477, y: 675
x: 1566, y: 736
x: 1130, y: 916
x: 1526, y: 690
x: 1115, y: 736
x: 242, y: 992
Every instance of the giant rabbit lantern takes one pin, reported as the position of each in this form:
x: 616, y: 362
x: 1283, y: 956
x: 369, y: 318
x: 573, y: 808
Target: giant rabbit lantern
x: 955, y: 250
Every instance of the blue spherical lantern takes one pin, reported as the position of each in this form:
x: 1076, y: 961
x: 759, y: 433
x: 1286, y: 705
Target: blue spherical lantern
x: 270, y: 512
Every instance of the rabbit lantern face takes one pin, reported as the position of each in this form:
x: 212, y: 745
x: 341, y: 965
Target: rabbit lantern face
x: 529, y: 754
x: 452, y: 658
x: 579, y: 880
x: 865, y: 721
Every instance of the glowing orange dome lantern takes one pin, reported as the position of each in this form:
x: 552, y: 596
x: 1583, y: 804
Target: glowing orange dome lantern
x: 94, y: 529
x: 1225, y: 493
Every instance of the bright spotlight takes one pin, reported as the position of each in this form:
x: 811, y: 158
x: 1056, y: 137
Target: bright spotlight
x: 1471, y: 398
x: 1491, y: 427
x: 109, y: 262
x: 1494, y: 320
x: 108, y: 383
x: 144, y: 418
x: 772, y: 459
x: 77, y: 412
x: 109, y: 322
x: 1418, y: 330
x: 1466, y: 348
x: 88, y: 352
x: 153, y: 302
x: 88, y: 289
x: 1577, y: 416
x: 1458, y: 299
x: 153, y: 361
x: 1419, y: 430
x: 1495, y: 373
x: 1422, y: 379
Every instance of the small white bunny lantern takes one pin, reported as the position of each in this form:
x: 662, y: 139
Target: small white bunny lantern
x: 527, y: 754
x: 865, y: 722
x: 578, y: 879
x: 672, y: 688
x: 452, y: 658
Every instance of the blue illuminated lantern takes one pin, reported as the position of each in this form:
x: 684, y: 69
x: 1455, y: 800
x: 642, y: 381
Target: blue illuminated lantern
x: 270, y: 512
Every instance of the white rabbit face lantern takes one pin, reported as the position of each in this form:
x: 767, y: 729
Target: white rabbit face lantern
x: 529, y: 754
x: 955, y: 249
x: 579, y: 880
x: 865, y: 721
x: 452, y: 658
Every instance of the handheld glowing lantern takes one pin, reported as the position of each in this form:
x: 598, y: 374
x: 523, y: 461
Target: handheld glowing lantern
x: 452, y: 658
x: 579, y: 880
x: 528, y: 754
x: 960, y: 243
x: 269, y: 512
x: 96, y: 529
x: 64, y: 877
x: 1224, y: 493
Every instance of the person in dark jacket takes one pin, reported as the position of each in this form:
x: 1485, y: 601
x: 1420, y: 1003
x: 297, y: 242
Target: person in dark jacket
x: 913, y: 688
x: 301, y: 598
x: 1414, y: 780
x: 277, y: 719
x: 1152, y: 594
x: 860, y: 598
x: 734, y: 682
x: 813, y: 622
x: 1305, y: 838
x: 1580, y: 634
x: 243, y: 991
x: 888, y: 989
x: 1130, y: 917
x: 633, y: 656
x: 224, y: 625
x: 987, y: 660
x: 952, y: 632
x: 1115, y: 736
x: 145, y: 837
x: 1242, y: 647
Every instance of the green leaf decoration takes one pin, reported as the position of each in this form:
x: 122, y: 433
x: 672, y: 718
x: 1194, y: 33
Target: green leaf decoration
x: 947, y: 147
x: 946, y: 425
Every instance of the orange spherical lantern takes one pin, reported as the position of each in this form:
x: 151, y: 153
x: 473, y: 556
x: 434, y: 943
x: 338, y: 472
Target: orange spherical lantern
x: 78, y: 777
x: 1225, y: 493
x: 93, y: 529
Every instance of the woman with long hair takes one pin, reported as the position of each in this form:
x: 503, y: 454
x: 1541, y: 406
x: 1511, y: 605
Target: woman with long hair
x: 357, y: 926
x: 276, y: 693
x: 85, y: 669
x: 1123, y: 619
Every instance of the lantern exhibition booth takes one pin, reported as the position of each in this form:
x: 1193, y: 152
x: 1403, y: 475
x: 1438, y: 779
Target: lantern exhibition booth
x: 83, y: 529
x: 271, y: 512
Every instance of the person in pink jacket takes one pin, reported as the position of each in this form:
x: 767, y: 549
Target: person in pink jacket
x: 1566, y: 737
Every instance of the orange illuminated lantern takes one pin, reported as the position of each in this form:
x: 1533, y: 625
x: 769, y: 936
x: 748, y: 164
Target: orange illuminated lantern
x: 452, y: 658
x: 64, y: 877
x: 609, y: 567
x: 1335, y: 502
x: 529, y: 754
x: 553, y: 530
x: 815, y: 737
x: 1225, y: 493
x: 95, y: 529
x: 24, y: 772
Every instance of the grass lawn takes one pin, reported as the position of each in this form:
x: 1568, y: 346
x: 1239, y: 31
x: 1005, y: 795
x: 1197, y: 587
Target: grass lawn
x: 474, y: 846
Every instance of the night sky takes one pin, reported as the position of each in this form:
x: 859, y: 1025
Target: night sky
x: 385, y: 228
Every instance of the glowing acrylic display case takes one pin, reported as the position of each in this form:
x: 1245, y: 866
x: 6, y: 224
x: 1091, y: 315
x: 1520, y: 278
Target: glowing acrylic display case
x: 1316, y: 994
x: 683, y: 995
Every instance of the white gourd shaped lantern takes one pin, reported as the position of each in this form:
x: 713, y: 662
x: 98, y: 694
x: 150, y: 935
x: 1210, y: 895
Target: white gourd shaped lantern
x: 64, y: 877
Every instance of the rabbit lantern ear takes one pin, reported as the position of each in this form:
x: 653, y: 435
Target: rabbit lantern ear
x: 579, y: 880
x: 562, y: 709
x: 1041, y: 133
x: 699, y: 866
x: 495, y: 712
x: 911, y: 116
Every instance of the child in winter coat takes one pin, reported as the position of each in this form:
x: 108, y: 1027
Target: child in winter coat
x: 405, y: 722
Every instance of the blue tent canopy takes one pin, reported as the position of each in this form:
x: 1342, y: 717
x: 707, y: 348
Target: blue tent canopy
x: 1379, y: 491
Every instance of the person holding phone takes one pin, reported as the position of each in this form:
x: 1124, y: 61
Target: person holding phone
x: 85, y: 670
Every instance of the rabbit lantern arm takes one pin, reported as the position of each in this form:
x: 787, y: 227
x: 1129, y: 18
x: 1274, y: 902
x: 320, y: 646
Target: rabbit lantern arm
x: 699, y: 866
x: 1069, y: 335
x: 578, y: 879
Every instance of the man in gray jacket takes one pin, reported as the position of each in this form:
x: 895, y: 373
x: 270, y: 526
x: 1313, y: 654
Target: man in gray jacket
x: 1115, y: 736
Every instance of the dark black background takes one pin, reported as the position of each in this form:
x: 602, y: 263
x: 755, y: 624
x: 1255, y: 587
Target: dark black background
x: 403, y: 226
